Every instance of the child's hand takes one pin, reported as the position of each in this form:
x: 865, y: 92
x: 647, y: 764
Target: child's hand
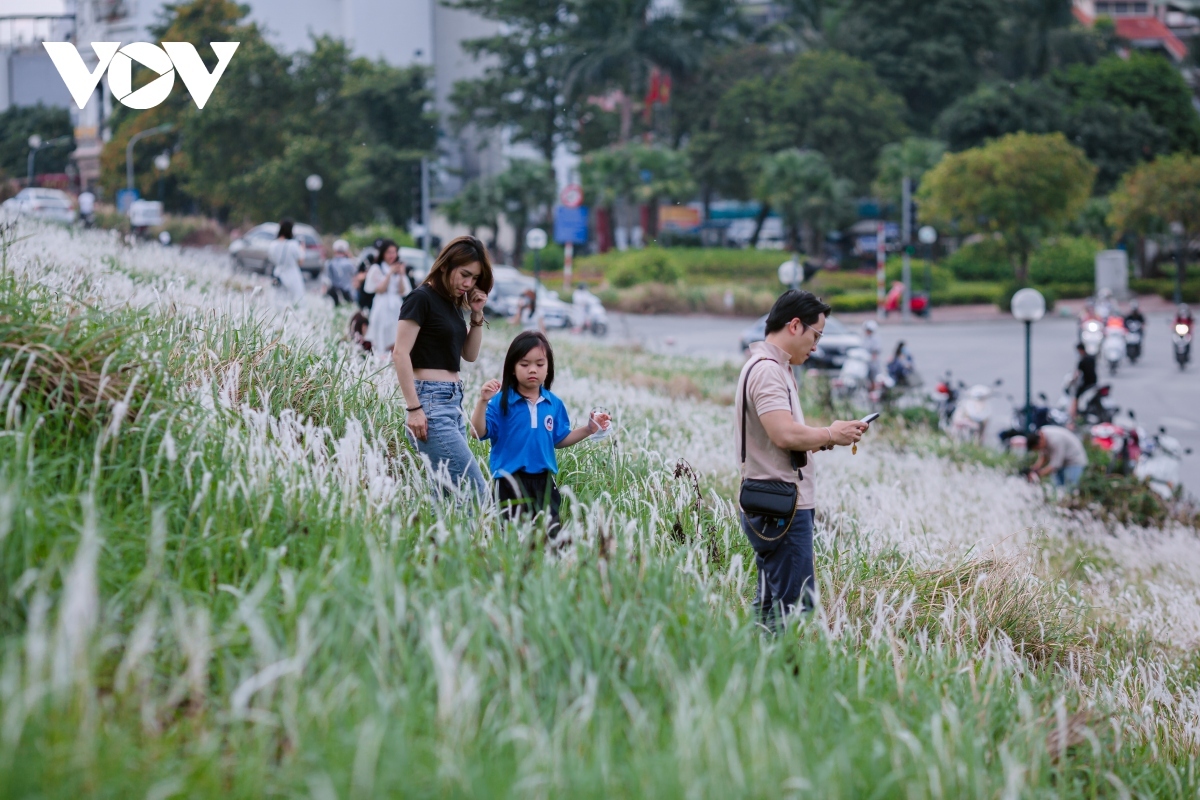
x: 599, y: 421
x: 490, y: 390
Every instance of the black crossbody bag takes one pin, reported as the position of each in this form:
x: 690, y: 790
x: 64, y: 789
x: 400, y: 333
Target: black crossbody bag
x: 770, y: 499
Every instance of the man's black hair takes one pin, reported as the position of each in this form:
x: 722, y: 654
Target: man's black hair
x: 1079, y: 346
x: 1034, y: 440
x: 796, y: 304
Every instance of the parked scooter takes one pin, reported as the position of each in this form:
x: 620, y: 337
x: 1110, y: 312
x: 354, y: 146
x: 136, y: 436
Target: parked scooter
x: 1113, y: 347
x: 1160, y: 462
x: 945, y: 395
x: 972, y: 414
x: 1133, y: 340
x: 1121, y: 441
x: 1043, y: 414
x: 854, y: 380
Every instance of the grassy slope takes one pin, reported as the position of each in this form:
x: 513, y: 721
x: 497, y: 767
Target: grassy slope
x: 244, y: 589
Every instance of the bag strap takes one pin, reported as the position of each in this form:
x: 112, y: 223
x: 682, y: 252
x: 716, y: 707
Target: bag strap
x: 746, y: 400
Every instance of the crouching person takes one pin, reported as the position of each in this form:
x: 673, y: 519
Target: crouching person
x: 778, y: 492
x: 1061, y: 456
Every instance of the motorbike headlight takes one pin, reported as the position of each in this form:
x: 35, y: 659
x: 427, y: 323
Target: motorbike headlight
x: 1181, y: 329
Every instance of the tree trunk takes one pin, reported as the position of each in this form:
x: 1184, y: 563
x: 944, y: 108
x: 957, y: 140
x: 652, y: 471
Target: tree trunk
x: 1021, y: 266
x: 651, y: 221
x: 604, y: 232
x: 518, y: 243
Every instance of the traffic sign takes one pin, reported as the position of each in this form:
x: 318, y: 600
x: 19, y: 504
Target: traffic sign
x: 570, y: 224
x: 571, y: 196
x: 535, y: 239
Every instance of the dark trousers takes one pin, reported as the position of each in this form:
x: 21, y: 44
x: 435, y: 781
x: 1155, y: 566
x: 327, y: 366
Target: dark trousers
x: 338, y: 295
x: 528, y: 494
x: 786, y: 575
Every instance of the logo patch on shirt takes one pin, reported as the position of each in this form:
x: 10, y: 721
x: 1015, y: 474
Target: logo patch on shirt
x: 549, y: 423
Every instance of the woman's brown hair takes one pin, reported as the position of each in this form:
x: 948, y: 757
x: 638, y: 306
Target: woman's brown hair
x: 458, y: 253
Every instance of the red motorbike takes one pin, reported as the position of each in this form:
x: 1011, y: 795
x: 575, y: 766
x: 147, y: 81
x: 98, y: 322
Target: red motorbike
x: 895, y: 298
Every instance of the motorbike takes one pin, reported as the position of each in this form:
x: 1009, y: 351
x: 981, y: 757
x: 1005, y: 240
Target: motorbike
x: 893, y: 301
x: 1042, y: 414
x: 945, y: 395
x: 971, y: 416
x: 1133, y: 340
x: 1122, y: 443
x: 591, y: 316
x: 1181, y: 340
x: 1094, y: 406
x: 854, y: 379
x: 1091, y: 335
x: 1113, y: 346
x: 1160, y: 462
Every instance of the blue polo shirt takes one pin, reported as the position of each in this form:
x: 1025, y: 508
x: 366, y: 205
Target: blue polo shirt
x: 524, y: 438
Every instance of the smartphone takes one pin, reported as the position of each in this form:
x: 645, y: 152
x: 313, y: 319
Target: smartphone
x: 869, y: 418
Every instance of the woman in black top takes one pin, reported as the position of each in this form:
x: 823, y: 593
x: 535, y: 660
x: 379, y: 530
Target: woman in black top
x: 431, y: 339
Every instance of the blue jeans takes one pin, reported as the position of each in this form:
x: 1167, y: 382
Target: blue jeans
x: 786, y: 573
x: 1067, y: 477
x: 452, y: 464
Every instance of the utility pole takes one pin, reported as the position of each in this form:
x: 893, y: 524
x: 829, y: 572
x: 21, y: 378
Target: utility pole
x: 425, y: 208
x: 880, y: 267
x: 906, y: 241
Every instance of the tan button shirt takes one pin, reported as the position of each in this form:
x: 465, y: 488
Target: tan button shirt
x: 771, y: 388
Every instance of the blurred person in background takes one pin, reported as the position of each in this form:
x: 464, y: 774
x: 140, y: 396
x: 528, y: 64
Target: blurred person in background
x: 528, y: 316
x: 87, y: 208
x: 900, y: 368
x: 1084, y: 379
x: 873, y: 346
x: 387, y: 280
x: 339, y: 270
x: 285, y: 254
x: 1061, y: 456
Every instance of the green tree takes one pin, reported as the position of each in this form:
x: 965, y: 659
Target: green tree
x: 477, y: 206
x: 608, y: 177
x: 523, y: 88
x: 835, y: 104
x: 662, y: 173
x: 911, y: 159
x: 801, y: 185
x: 930, y: 52
x: 997, y: 109
x: 1115, y: 138
x: 1144, y: 81
x: 18, y: 123
x: 1156, y: 194
x: 527, y: 190
x: 1022, y: 187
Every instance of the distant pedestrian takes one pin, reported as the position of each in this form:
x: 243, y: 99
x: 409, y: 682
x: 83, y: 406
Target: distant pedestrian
x: 1085, y: 380
x: 387, y: 280
x: 778, y: 491
x: 528, y: 316
x: 87, y: 208
x: 1061, y: 456
x: 526, y: 423
x: 285, y: 254
x: 339, y: 270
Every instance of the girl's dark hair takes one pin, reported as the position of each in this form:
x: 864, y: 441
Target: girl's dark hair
x: 518, y: 349
x: 899, y: 349
x: 796, y: 304
x: 458, y: 253
x: 285, y: 228
x: 383, y: 248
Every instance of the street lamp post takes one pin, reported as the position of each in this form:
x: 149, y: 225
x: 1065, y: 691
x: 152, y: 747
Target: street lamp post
x: 1028, y: 306
x: 928, y: 235
x: 313, y: 183
x: 1177, y: 232
x: 137, y: 137
x: 35, y: 146
x: 161, y: 162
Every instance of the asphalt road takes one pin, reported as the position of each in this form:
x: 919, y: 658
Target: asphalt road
x: 980, y: 352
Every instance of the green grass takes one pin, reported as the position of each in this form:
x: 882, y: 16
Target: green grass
x: 245, y: 590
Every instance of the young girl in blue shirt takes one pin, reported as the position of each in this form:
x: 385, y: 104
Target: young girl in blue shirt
x: 526, y: 423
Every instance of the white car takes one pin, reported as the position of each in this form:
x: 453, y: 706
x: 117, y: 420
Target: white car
x: 47, y: 204
x: 508, y: 283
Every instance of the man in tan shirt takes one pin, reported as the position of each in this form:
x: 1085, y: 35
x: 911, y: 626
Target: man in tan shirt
x: 775, y: 429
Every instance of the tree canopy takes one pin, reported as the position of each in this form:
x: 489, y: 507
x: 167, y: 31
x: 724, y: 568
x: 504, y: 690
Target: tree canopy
x: 1022, y: 187
x: 1154, y: 195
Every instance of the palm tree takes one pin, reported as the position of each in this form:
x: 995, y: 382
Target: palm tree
x: 526, y: 188
x: 801, y: 185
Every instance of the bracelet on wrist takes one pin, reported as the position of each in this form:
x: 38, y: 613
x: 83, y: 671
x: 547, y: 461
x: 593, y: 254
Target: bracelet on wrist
x: 830, y: 434
x: 415, y: 408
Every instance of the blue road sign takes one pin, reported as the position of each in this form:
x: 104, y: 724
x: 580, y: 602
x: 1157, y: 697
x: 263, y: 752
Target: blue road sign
x: 125, y: 198
x: 570, y: 224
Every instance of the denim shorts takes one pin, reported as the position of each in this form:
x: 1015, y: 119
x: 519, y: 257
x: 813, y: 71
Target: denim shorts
x: 452, y: 466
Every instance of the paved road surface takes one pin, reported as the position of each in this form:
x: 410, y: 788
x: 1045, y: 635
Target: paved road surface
x: 980, y: 352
